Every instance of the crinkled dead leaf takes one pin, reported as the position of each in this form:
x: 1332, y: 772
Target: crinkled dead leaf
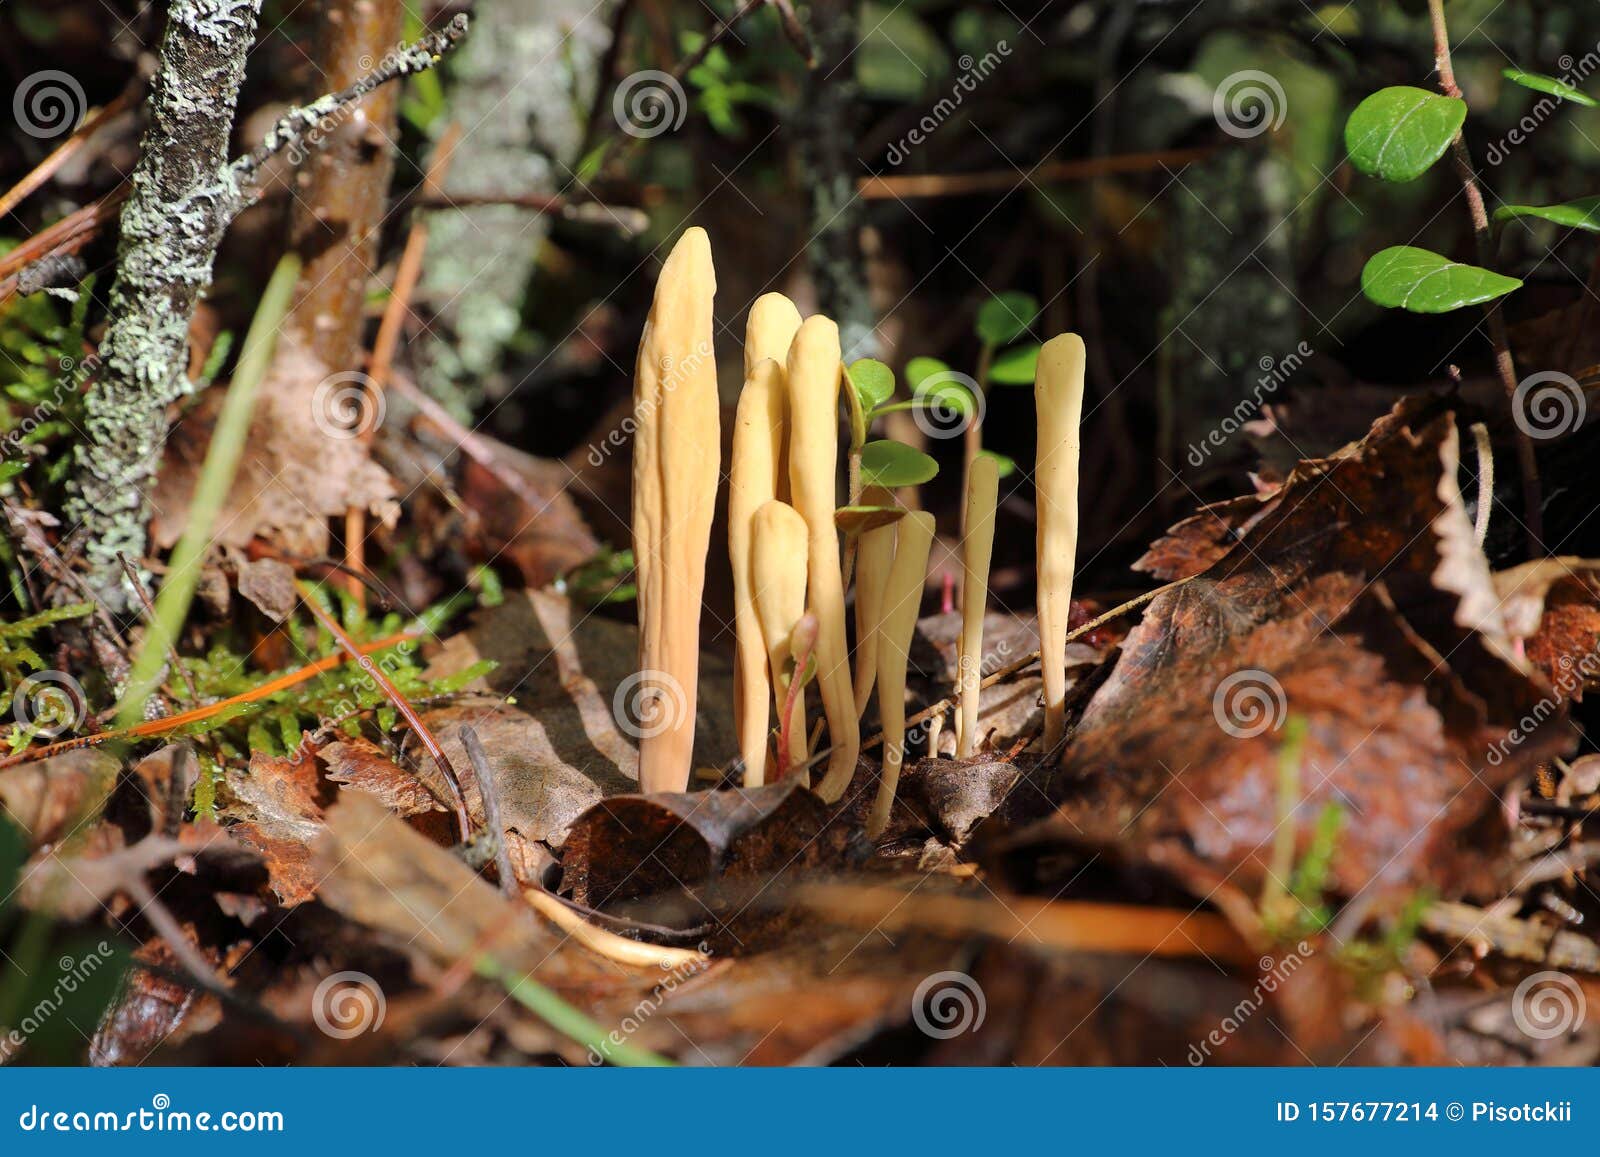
x: 277, y: 803
x: 363, y: 765
x: 54, y: 797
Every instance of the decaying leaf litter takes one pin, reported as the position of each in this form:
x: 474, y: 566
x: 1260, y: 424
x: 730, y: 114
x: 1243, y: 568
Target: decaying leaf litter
x: 1326, y: 767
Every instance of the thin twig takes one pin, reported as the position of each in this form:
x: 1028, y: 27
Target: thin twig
x: 911, y: 186
x: 65, y: 238
x: 407, y: 712
x: 47, y: 168
x: 489, y: 792
x: 1505, y: 366
x: 150, y: 616
x: 155, y: 728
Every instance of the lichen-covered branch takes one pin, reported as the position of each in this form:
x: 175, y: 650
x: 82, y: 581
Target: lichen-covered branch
x: 184, y: 194
x: 182, y: 199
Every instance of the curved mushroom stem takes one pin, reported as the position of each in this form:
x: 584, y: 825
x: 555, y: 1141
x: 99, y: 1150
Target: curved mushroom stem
x: 676, y: 460
x: 977, y: 550
x: 778, y: 570
x: 1058, y: 399
x: 874, y: 554
x: 752, y: 482
x: 902, y: 601
x: 814, y: 371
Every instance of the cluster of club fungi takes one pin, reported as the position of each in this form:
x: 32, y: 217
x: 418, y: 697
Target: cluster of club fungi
x: 784, y: 544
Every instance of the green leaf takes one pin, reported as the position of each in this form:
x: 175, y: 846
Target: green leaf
x: 1584, y: 213
x: 1549, y: 85
x: 1005, y: 317
x: 890, y: 464
x: 897, y: 53
x: 919, y: 370
x: 1017, y: 366
x: 1397, y: 133
x: 1404, y: 277
x: 1007, y: 466
x: 873, y: 382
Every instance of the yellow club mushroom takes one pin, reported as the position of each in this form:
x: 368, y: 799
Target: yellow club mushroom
x: 874, y: 554
x: 752, y: 482
x: 778, y: 573
x: 676, y: 460
x: 813, y: 377
x: 1058, y: 400
x: 977, y: 550
x: 902, y: 601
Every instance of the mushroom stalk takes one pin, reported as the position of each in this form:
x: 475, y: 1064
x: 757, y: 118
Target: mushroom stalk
x: 1058, y: 399
x: 902, y: 601
x: 676, y: 460
x: 977, y: 550
x: 778, y: 573
x: 814, y: 371
x: 874, y: 554
x: 752, y: 482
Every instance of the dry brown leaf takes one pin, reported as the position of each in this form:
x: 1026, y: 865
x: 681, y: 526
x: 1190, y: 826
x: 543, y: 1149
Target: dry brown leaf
x: 363, y: 765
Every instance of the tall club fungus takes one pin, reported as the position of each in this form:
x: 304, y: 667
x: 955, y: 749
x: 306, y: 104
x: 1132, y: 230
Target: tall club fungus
x: 814, y: 373
x: 873, y: 557
x: 676, y: 453
x: 778, y: 569
x: 756, y: 477
x: 1058, y: 399
x: 902, y: 600
x: 977, y: 550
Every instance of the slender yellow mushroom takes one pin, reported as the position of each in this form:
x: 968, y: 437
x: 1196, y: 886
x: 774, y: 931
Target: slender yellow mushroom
x: 1058, y: 399
x: 778, y: 573
x: 676, y: 459
x: 769, y: 330
x: 874, y: 554
x: 902, y: 600
x: 814, y: 372
x: 752, y: 482
x: 977, y: 550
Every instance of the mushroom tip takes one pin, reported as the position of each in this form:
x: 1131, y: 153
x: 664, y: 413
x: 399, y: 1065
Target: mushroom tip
x: 692, y: 251
x: 1064, y: 345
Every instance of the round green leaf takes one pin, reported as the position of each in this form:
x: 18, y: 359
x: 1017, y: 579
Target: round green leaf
x: 889, y: 464
x: 1007, y: 466
x: 873, y: 382
x: 1005, y: 317
x: 1549, y: 85
x: 919, y: 370
x: 1584, y: 213
x: 1017, y: 366
x: 1404, y: 277
x: 1397, y: 133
